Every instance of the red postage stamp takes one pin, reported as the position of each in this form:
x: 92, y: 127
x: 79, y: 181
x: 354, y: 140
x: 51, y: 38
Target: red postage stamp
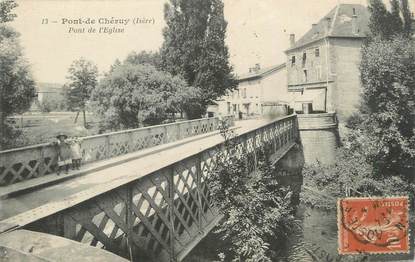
x: 373, y: 225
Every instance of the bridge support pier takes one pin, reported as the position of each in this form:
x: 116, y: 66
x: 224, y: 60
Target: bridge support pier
x: 289, y: 171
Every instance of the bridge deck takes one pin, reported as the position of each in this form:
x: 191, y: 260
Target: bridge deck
x: 24, y: 245
x: 53, y: 198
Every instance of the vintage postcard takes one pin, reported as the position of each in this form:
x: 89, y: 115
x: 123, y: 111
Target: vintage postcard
x: 207, y: 130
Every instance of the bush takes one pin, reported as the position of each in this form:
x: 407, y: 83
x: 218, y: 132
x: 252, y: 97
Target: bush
x: 350, y: 176
x: 12, y: 137
x: 257, y: 210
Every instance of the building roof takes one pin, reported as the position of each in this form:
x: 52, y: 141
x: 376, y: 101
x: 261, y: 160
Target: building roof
x: 260, y: 73
x: 340, y: 24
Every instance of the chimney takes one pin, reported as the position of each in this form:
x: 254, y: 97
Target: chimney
x: 354, y: 25
x: 257, y: 67
x: 292, y: 40
x: 327, y: 25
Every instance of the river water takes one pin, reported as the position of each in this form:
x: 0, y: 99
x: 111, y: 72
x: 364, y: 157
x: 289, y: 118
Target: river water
x: 315, y: 239
x: 315, y: 235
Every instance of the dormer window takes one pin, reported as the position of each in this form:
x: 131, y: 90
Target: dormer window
x: 293, y: 60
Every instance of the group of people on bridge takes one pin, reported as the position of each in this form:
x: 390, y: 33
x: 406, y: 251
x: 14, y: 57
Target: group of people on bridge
x: 69, y: 153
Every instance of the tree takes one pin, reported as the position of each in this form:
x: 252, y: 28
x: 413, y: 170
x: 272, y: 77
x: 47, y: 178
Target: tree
x: 194, y: 47
x: 388, y: 77
x: 136, y: 94
x: 387, y: 24
x: 6, y: 7
x: 53, y: 103
x: 387, y: 73
x: 144, y: 57
x: 407, y: 18
x: 17, y: 87
x: 379, y: 16
x: 82, y: 80
x: 66, y: 103
x: 395, y: 18
x: 117, y: 63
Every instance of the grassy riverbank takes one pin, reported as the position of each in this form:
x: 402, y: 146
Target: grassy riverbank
x: 325, y: 184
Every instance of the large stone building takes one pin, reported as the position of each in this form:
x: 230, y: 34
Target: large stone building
x: 323, y: 65
x: 259, y: 91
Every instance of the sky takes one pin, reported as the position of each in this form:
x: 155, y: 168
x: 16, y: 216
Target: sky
x: 258, y: 31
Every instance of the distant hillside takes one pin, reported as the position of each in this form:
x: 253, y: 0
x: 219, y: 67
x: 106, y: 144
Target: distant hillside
x: 48, y: 87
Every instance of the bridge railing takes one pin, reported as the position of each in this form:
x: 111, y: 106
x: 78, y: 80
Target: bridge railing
x: 38, y: 160
x: 162, y: 211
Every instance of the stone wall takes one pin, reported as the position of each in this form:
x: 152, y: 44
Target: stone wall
x: 314, y: 63
x: 319, y: 137
x: 345, y: 61
x: 340, y: 77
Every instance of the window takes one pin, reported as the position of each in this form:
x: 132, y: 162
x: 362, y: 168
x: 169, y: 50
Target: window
x: 304, y: 58
x: 305, y: 75
x: 244, y: 93
x: 293, y: 60
x: 317, y: 52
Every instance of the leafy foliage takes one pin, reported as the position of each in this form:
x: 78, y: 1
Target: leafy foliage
x: 16, y: 82
x: 144, y: 57
x: 6, y: 7
x: 350, y: 176
x: 256, y: 209
x: 386, y: 24
x: 194, y: 47
x: 135, y: 94
x: 407, y: 18
x: 387, y: 131
x: 82, y: 80
x: 55, y: 102
x: 12, y: 137
x: 17, y: 87
x: 396, y: 23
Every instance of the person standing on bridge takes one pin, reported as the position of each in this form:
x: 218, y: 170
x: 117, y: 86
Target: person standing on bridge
x: 64, y: 153
x: 76, y: 154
